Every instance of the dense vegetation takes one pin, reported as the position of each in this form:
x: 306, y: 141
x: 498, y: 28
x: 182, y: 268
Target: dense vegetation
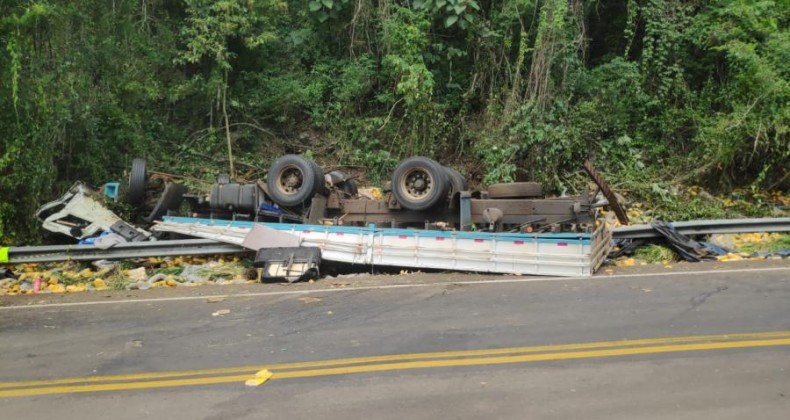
x: 693, y: 92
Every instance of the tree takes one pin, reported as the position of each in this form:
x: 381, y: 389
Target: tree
x: 210, y: 28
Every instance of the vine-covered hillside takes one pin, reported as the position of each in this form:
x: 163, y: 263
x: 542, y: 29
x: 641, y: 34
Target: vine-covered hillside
x: 658, y: 93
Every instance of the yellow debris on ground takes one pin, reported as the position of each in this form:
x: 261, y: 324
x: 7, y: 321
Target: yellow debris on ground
x: 625, y: 263
x: 634, y: 213
x: 79, y: 287
x: 56, y: 288
x: 730, y: 257
x: 31, y: 275
x: 100, y: 284
x: 755, y: 238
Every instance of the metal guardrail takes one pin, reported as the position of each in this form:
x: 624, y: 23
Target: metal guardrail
x: 170, y: 248
x: 707, y: 227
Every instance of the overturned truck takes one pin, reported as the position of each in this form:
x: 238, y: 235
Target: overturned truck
x: 422, y: 194
x: 426, y: 218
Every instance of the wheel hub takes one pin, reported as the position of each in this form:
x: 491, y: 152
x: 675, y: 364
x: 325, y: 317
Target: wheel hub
x: 418, y: 184
x: 290, y: 180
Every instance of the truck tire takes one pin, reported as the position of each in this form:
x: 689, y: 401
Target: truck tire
x: 457, y: 181
x: 516, y: 190
x: 292, y: 180
x: 137, y: 182
x: 419, y: 183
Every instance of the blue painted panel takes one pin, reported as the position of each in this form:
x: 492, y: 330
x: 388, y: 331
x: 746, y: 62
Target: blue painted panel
x: 569, y: 238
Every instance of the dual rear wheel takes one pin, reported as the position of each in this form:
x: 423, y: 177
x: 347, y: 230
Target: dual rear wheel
x: 419, y: 183
x: 294, y: 180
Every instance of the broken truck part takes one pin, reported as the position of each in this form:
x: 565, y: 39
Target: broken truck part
x: 603, y: 187
x: 80, y: 214
x: 290, y: 264
x: 558, y: 254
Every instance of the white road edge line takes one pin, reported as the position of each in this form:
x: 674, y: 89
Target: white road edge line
x: 394, y: 286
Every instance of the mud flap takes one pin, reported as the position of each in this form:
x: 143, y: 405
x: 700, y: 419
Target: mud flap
x: 291, y: 263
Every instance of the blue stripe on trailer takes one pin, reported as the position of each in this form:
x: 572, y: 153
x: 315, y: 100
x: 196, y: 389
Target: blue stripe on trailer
x: 554, y: 238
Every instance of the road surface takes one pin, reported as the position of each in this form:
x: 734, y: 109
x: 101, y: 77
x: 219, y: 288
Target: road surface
x: 708, y: 343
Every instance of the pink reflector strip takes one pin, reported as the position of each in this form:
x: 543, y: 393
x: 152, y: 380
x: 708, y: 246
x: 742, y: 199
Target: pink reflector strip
x: 562, y: 244
x: 518, y: 242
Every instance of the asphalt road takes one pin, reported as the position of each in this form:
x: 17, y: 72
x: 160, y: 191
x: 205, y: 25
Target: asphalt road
x: 605, y: 347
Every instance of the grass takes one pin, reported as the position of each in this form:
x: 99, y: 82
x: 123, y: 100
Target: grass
x: 772, y: 243
x: 654, y: 253
x: 170, y: 271
x: 117, y: 281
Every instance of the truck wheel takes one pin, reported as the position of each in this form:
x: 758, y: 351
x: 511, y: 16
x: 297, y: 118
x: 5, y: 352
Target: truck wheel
x: 457, y: 181
x: 419, y: 183
x: 516, y: 190
x: 292, y: 180
x: 137, y: 182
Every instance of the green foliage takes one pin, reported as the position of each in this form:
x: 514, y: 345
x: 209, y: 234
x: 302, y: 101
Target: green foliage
x: 211, y: 24
x: 451, y: 12
x: 653, y: 253
x: 327, y: 9
x: 748, y: 137
x: 657, y: 93
x: 498, y: 160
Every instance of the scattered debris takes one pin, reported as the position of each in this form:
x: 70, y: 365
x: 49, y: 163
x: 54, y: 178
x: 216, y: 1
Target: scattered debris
x: 221, y: 312
x: 625, y: 263
x: 688, y: 249
x: 137, y: 274
x: 260, y: 377
x: 151, y: 273
x: 80, y: 214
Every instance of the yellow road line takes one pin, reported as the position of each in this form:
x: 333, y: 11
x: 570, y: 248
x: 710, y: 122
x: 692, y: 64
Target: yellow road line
x: 529, y: 358
x: 397, y: 357
x: 123, y: 386
x: 425, y: 364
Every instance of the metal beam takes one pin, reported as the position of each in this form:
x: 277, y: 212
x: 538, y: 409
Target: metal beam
x: 707, y: 227
x: 52, y: 253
